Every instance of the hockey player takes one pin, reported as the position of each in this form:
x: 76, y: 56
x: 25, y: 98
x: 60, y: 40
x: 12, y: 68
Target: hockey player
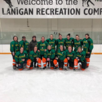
x: 14, y: 47
x: 21, y: 58
x: 42, y: 47
x: 70, y: 57
x: 61, y: 58
x: 51, y: 41
x: 33, y: 58
x: 50, y: 56
x: 69, y: 41
x: 24, y: 43
x: 77, y: 43
x: 33, y: 43
x: 80, y: 57
x: 59, y: 42
x: 87, y: 47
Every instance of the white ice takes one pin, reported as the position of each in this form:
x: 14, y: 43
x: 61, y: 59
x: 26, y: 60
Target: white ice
x: 50, y: 85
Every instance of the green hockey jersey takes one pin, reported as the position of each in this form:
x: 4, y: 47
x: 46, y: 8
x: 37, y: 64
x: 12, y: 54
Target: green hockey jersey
x: 77, y: 43
x: 51, y: 42
x: 33, y: 55
x: 71, y: 55
x: 24, y: 44
x: 42, y: 46
x: 49, y: 54
x: 90, y: 45
x: 14, y: 46
x: 81, y: 55
x: 60, y: 42
x: 61, y: 55
x: 69, y: 42
x: 87, y: 45
x: 19, y: 56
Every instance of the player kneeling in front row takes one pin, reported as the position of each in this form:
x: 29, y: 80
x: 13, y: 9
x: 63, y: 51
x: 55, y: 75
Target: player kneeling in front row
x: 33, y: 59
x: 21, y: 58
x: 80, y: 57
x: 61, y: 59
x: 70, y: 57
x: 50, y: 56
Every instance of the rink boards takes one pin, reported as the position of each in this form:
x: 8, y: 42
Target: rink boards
x: 5, y: 49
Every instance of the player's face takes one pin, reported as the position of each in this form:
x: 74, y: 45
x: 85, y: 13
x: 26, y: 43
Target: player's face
x: 61, y: 48
x: 51, y: 36
x: 86, y: 36
x: 15, y: 38
x: 79, y: 49
x: 21, y: 50
x: 35, y: 49
x: 24, y: 39
x: 42, y: 39
x: 60, y: 36
x: 68, y: 37
x: 69, y: 49
x: 77, y: 37
x: 34, y: 39
x: 49, y: 47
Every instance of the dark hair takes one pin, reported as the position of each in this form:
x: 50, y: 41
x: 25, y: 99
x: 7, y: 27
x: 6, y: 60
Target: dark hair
x: 68, y: 34
x: 34, y: 36
x: 23, y: 37
x: 77, y: 35
x: 87, y: 34
x: 60, y: 34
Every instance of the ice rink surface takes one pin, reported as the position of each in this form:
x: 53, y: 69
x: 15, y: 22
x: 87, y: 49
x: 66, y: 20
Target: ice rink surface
x: 50, y: 85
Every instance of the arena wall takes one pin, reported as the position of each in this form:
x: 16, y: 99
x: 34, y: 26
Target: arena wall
x: 45, y: 27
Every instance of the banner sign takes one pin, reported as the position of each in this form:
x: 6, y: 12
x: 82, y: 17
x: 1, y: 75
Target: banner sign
x: 50, y: 8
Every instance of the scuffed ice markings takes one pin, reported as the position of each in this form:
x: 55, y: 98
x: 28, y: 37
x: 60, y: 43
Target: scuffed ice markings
x: 50, y: 85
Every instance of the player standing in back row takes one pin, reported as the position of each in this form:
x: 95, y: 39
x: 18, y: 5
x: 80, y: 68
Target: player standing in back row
x: 77, y: 43
x: 24, y: 43
x: 60, y: 41
x: 87, y: 47
x: 51, y: 41
x: 14, y: 47
x: 69, y: 41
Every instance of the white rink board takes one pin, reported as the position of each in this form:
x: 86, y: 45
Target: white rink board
x: 51, y: 85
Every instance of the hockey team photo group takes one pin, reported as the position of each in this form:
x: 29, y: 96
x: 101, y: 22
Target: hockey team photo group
x: 50, y: 50
x: 62, y: 53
